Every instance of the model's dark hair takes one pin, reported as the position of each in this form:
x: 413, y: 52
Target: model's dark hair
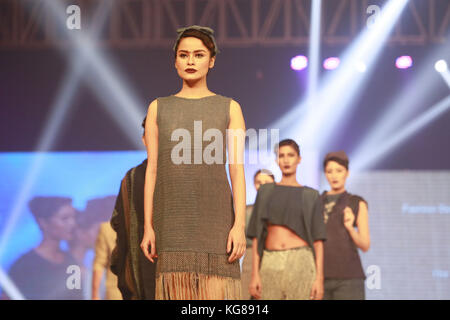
x: 207, y: 41
x: 143, y: 125
x: 43, y: 207
x: 287, y: 142
x: 264, y: 171
x: 342, y: 162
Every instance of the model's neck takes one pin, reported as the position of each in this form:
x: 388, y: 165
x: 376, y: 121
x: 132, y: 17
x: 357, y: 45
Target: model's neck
x: 78, y: 252
x: 289, y: 180
x: 195, y: 89
x: 49, y: 249
x: 336, y: 191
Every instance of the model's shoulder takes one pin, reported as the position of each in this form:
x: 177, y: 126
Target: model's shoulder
x: 357, y: 199
x: 311, y: 191
x: 162, y: 99
x: 267, y: 187
x: 130, y: 171
x: 26, y: 259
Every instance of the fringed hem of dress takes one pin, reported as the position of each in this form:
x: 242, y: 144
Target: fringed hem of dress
x: 191, y: 275
x: 198, y: 262
x: 196, y: 286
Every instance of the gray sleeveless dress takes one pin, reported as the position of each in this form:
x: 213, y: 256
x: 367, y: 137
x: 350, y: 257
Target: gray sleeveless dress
x: 193, y: 207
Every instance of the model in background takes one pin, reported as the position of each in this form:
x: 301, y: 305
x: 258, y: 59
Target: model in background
x: 288, y: 232
x: 135, y: 273
x: 41, y: 273
x: 82, y: 244
x: 106, y: 241
x: 347, y: 223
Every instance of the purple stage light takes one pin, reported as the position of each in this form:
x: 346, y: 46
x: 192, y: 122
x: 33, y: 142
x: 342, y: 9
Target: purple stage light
x: 299, y: 63
x: 331, y: 63
x: 404, y: 62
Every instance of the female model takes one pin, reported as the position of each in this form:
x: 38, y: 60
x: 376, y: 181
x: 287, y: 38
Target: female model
x: 288, y: 231
x: 193, y: 223
x: 344, y: 275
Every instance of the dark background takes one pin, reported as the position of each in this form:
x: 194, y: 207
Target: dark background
x: 258, y: 77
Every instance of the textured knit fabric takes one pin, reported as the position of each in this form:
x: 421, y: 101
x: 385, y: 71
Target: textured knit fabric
x: 341, y: 258
x: 247, y: 261
x: 193, y: 206
x: 136, y: 274
x: 297, y: 208
x: 106, y: 241
x: 287, y: 274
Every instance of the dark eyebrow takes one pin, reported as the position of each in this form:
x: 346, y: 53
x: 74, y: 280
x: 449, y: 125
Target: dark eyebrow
x: 200, y: 50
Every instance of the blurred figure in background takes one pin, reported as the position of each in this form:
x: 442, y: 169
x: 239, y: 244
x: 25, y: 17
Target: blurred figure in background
x: 42, y: 273
x: 261, y: 176
x: 82, y: 244
x: 343, y: 212
x: 104, y: 245
x: 136, y: 274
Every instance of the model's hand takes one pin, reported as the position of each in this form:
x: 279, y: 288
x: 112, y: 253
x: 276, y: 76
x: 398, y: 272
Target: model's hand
x: 255, y: 287
x: 236, y: 243
x: 349, y: 218
x: 148, y: 242
x: 317, y: 289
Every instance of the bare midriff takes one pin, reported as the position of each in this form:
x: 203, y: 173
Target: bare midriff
x: 282, y: 238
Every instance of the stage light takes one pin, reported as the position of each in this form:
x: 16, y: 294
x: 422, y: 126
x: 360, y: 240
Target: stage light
x: 339, y: 88
x: 404, y: 62
x: 299, y: 63
x: 441, y: 66
x: 115, y: 94
x: 401, y: 135
x: 59, y: 110
x: 334, y: 98
x: 331, y: 63
x: 401, y: 108
x: 360, y: 66
x: 314, y: 48
x: 9, y: 288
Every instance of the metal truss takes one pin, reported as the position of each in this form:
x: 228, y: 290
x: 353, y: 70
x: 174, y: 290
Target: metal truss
x: 238, y: 23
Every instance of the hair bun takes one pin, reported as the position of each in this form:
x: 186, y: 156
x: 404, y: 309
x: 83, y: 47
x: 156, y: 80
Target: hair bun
x: 206, y: 30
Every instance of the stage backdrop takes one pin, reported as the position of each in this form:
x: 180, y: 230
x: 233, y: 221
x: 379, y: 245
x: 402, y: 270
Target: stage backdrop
x: 409, y: 214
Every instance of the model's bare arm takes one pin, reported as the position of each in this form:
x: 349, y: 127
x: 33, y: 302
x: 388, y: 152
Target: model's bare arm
x: 236, y: 145
x: 255, y: 283
x: 360, y: 237
x: 317, y: 288
x: 151, y: 139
